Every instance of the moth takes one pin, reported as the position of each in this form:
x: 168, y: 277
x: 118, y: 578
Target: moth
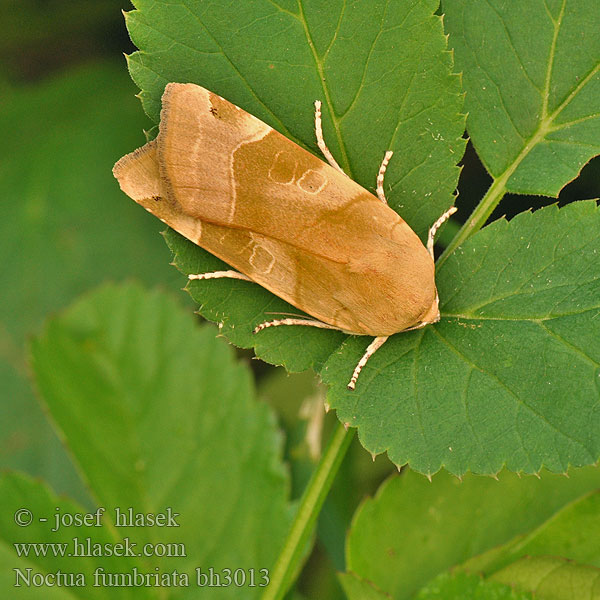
x: 284, y: 219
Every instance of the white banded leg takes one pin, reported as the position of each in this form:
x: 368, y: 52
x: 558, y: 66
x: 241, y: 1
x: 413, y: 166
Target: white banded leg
x: 371, y: 349
x: 434, y: 228
x: 308, y: 322
x: 381, y: 175
x: 321, y: 140
x: 275, y: 322
x: 219, y: 275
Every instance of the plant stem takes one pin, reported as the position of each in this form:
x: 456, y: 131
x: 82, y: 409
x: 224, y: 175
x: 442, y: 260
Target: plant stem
x: 310, y: 505
x: 496, y: 192
x: 478, y: 217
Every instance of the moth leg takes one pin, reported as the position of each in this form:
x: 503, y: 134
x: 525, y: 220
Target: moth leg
x: 321, y: 141
x: 381, y: 174
x: 308, y: 322
x: 371, y: 349
x: 220, y: 275
x: 433, y: 229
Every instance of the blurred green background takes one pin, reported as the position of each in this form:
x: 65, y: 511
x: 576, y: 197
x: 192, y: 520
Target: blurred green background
x: 68, y: 111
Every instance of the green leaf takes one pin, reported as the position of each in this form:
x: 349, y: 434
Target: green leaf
x: 542, y: 578
x: 509, y: 381
x: 381, y: 70
x: 460, y: 586
x: 413, y: 529
x: 531, y: 73
x: 356, y: 588
x: 510, y: 376
x: 551, y: 578
x: 157, y: 415
x: 383, y: 73
x: 65, y: 226
x: 571, y: 533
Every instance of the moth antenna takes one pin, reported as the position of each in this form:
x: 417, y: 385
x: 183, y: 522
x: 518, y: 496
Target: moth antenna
x: 307, y: 322
x: 321, y: 140
x: 433, y: 229
x: 219, y: 275
x: 371, y: 349
x: 381, y: 175
x: 287, y: 314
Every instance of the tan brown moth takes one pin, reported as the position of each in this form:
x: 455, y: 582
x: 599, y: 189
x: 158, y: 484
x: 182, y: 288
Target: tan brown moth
x: 283, y: 218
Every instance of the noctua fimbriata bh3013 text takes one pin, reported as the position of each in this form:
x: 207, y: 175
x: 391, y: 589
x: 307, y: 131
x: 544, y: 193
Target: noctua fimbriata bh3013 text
x: 283, y: 218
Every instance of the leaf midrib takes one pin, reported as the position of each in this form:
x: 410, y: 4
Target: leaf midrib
x: 521, y: 401
x: 523, y: 319
x: 545, y: 125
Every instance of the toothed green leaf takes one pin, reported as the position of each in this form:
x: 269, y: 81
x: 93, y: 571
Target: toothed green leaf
x: 158, y: 415
x: 511, y: 374
x: 531, y: 71
x: 571, y: 533
x: 384, y: 75
x: 509, y: 381
x: 414, y: 529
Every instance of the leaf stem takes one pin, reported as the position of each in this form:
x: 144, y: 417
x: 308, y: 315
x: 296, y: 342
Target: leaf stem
x: 496, y: 192
x: 311, y: 502
x: 479, y: 216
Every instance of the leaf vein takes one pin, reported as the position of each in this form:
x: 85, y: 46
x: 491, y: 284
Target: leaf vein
x: 520, y: 401
x: 512, y: 46
x: 575, y: 349
x: 573, y: 122
x: 323, y: 80
x: 254, y: 94
x: 336, y: 32
x: 551, y: 57
x: 366, y: 66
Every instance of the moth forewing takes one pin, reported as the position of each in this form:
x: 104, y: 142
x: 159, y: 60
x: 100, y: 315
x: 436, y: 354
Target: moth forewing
x: 281, y: 216
x: 138, y: 176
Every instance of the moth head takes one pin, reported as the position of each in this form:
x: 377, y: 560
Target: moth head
x: 432, y: 315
